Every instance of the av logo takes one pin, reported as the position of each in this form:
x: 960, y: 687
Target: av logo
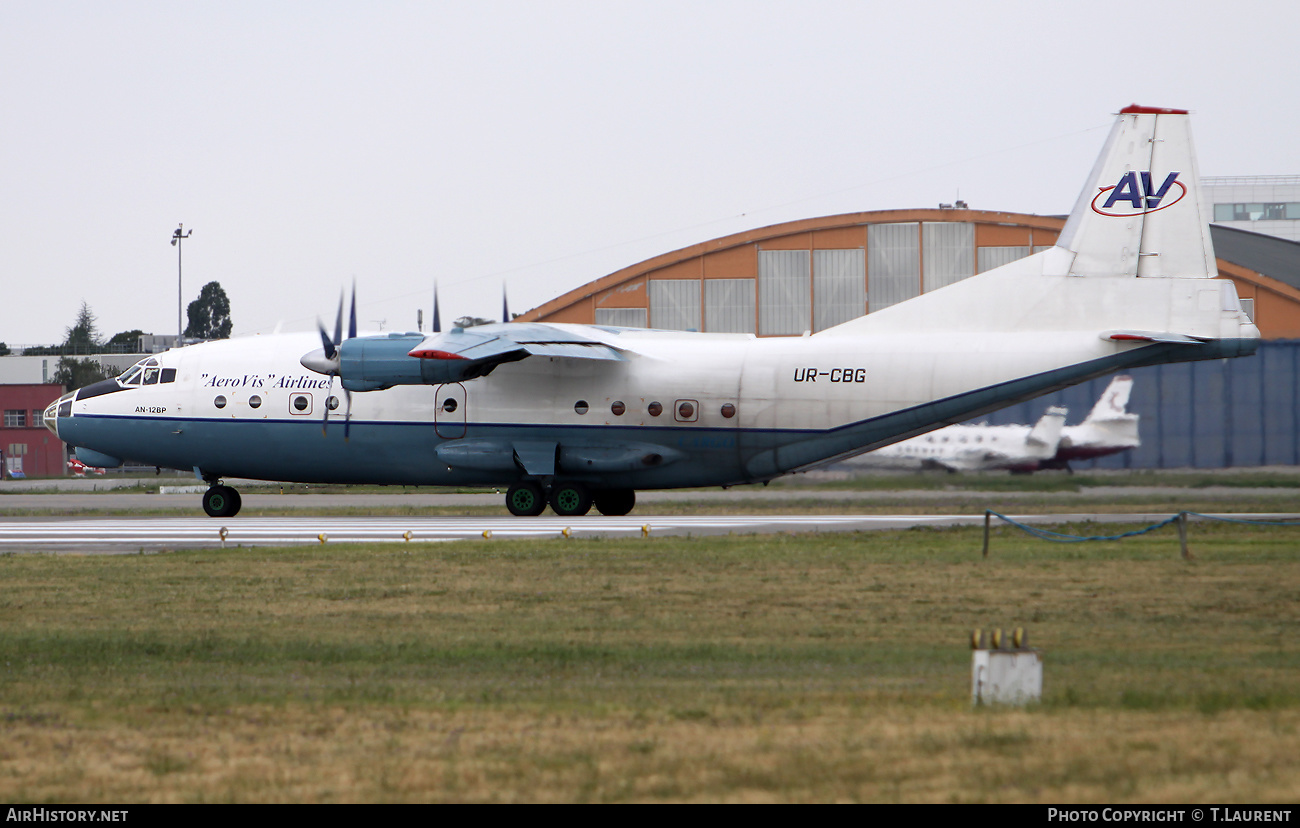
x: 1136, y: 194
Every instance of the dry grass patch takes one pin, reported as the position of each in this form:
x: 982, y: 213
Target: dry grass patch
x: 774, y: 668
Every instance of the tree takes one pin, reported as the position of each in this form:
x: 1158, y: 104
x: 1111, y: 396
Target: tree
x: 126, y: 342
x: 209, y: 315
x: 4, y: 349
x: 77, y: 373
x: 83, y: 336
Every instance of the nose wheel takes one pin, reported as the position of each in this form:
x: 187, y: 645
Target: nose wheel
x: 221, y: 501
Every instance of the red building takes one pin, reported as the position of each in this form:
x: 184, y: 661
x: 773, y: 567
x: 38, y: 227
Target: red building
x: 27, y: 448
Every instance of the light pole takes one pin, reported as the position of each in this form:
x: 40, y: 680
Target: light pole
x: 177, y: 238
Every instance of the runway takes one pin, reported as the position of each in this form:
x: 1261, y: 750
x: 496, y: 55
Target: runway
x: 122, y: 535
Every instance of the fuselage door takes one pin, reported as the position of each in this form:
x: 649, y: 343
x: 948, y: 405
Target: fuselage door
x: 449, y: 411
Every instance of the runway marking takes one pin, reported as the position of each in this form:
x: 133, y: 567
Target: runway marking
x: 165, y: 532
x: 155, y: 533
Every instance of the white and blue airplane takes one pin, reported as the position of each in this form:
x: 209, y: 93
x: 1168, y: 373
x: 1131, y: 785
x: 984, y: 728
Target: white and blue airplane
x: 576, y: 415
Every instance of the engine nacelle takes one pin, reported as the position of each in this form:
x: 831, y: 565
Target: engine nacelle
x: 373, y: 363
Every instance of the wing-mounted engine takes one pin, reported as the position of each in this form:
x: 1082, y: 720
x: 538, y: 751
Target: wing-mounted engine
x: 373, y: 363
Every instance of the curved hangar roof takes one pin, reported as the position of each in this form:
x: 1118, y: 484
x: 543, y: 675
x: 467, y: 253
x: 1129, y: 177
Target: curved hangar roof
x: 811, y: 274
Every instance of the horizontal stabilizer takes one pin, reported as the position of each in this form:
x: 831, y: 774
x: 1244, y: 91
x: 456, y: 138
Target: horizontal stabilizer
x: 1152, y: 336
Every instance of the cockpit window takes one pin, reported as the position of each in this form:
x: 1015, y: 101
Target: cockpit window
x: 147, y: 372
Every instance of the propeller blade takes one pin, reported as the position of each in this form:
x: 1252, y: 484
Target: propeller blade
x: 352, y: 317
x: 347, y: 418
x: 325, y: 340
x: 325, y: 422
x: 437, y: 323
x: 338, y: 323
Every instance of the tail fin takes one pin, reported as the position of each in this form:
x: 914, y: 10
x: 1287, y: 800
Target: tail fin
x: 1046, y: 434
x: 1142, y: 213
x: 1113, y: 402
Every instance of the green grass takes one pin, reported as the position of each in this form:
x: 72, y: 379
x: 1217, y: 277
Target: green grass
x: 740, y: 668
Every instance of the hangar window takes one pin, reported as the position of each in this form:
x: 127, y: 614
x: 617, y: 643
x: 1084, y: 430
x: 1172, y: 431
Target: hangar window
x: 16, y: 418
x: 839, y: 286
x: 784, y: 292
x: 893, y: 264
x: 991, y: 257
x: 948, y: 252
x: 729, y: 305
x: 580, y: 407
x: 220, y: 401
x: 675, y: 304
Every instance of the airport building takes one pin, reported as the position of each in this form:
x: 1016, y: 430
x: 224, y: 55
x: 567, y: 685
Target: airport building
x: 1268, y: 204
x: 27, y: 449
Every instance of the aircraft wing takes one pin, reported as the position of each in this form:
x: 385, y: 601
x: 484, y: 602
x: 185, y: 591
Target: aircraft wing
x: 498, y: 343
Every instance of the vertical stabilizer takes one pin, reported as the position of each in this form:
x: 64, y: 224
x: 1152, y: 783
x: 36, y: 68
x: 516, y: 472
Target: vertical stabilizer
x: 1141, y: 213
x: 1113, y: 402
x: 1046, y: 434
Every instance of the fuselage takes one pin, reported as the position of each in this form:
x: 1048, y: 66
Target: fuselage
x: 682, y: 409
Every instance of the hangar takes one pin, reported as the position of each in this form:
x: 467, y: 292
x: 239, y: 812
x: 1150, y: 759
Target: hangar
x: 808, y: 275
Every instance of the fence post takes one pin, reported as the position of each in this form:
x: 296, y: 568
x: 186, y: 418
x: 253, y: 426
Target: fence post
x: 987, y: 516
x: 1182, y: 536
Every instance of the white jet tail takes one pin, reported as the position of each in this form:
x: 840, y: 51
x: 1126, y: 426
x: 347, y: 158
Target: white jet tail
x: 1113, y: 402
x: 1046, y: 434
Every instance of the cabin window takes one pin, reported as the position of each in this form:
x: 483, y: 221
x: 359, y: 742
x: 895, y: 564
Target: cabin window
x: 301, y: 404
x: 168, y: 375
x: 655, y: 409
x: 254, y: 401
x: 332, y: 403
x: 728, y: 411
x: 618, y: 408
x: 686, y: 411
x: 449, y: 405
x: 219, y: 402
x: 580, y: 407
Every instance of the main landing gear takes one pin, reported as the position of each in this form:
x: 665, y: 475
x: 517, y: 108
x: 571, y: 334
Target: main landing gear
x: 566, y: 499
x: 221, y: 501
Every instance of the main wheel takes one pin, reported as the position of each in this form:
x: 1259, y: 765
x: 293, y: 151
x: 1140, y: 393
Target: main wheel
x: 614, y: 502
x: 525, y: 499
x: 570, y: 499
x: 221, y: 501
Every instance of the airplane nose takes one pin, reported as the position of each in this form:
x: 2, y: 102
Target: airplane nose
x: 63, y: 405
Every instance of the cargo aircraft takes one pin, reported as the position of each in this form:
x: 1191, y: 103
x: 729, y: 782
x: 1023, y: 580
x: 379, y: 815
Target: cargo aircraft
x: 582, y: 415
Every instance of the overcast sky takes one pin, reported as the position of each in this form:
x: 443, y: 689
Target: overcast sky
x: 540, y: 145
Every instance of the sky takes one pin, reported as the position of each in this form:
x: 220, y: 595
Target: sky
x: 532, y: 147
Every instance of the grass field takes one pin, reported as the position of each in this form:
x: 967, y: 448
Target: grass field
x: 752, y: 669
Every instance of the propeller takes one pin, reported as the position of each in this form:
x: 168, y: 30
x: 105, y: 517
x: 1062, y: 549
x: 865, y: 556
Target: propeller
x: 328, y: 360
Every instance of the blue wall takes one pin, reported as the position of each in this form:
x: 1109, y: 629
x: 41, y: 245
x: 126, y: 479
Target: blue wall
x: 1212, y: 414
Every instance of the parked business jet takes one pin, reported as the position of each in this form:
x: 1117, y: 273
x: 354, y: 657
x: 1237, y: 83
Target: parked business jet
x: 575, y: 415
x: 982, y: 447
x: 1048, y: 444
